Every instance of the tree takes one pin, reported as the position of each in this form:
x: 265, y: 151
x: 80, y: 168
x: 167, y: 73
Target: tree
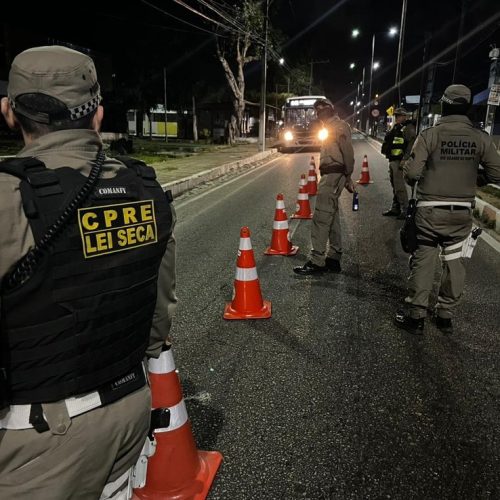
x: 242, y: 46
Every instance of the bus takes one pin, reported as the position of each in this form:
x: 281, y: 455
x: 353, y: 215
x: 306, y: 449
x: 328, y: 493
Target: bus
x: 301, y: 128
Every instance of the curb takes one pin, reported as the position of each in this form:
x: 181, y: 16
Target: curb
x: 487, y: 211
x: 185, y: 184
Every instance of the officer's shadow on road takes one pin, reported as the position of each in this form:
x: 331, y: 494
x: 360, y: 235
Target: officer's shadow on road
x: 206, y: 419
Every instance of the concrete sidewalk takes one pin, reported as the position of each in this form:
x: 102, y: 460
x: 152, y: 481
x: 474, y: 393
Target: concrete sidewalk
x: 182, y: 174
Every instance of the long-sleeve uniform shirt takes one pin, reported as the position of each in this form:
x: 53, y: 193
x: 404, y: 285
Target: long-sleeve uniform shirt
x: 76, y: 149
x: 445, y: 160
x: 337, y: 153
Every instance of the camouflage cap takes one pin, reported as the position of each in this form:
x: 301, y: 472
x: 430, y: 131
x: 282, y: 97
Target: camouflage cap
x: 401, y: 111
x: 323, y: 103
x: 59, y: 72
x: 456, y: 94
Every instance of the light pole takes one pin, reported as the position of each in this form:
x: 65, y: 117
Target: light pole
x: 400, y: 49
x: 311, y: 73
x: 263, y: 86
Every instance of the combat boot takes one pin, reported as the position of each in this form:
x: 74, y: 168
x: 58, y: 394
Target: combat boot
x: 392, y: 212
x: 411, y: 325
x: 309, y: 268
x: 332, y: 265
x: 445, y: 325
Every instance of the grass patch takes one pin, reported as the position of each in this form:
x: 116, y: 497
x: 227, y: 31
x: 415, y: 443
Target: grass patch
x: 490, y: 195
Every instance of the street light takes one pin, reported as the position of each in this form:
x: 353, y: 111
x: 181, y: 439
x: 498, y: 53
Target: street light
x: 393, y: 31
x: 355, y: 33
x: 376, y: 65
x: 281, y: 61
x: 352, y: 66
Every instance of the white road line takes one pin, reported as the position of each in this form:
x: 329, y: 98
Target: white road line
x: 224, y: 184
x: 491, y: 241
x: 373, y: 147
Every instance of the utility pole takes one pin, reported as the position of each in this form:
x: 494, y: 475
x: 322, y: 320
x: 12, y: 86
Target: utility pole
x: 422, y: 79
x: 494, y: 80
x: 165, y: 100
x: 370, y: 88
x: 362, y: 100
x: 311, y: 73
x: 263, y: 86
x: 400, y: 50
x: 459, y: 40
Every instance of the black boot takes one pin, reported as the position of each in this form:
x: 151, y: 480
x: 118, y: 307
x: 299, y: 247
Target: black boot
x: 444, y: 324
x: 309, y: 268
x: 332, y: 265
x: 411, y: 325
x: 392, y: 212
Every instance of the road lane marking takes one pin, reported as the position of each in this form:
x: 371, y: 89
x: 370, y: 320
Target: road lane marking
x: 224, y: 184
x: 491, y: 241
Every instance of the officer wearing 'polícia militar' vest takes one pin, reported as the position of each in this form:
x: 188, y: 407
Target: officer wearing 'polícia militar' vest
x: 444, y: 161
x: 87, y: 288
x: 397, y: 147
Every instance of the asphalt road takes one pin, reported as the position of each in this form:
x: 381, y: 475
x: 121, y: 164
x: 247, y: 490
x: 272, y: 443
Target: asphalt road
x: 327, y: 399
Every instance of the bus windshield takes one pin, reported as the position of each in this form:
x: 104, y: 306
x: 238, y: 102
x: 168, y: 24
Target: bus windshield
x: 299, y: 111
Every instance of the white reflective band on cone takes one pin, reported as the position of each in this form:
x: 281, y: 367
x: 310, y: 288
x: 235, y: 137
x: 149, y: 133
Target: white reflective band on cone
x: 303, y: 196
x: 178, y: 417
x: 311, y: 178
x: 164, y: 364
x: 280, y: 224
x: 245, y: 244
x: 246, y: 274
x: 452, y: 256
x: 280, y: 204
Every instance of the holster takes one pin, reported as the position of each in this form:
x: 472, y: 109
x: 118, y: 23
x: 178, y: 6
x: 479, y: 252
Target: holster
x: 408, y: 233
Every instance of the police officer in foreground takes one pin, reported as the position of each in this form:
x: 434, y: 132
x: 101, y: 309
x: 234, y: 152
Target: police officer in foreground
x: 336, y: 166
x: 396, y: 148
x: 87, y: 289
x: 444, y: 161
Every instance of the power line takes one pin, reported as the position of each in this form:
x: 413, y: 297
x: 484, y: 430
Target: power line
x: 179, y: 19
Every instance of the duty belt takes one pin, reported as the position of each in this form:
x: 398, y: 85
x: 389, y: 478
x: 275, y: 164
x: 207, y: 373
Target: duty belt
x: 27, y: 416
x: 449, y: 205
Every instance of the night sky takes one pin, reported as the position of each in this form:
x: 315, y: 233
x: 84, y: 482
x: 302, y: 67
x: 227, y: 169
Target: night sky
x: 139, y: 40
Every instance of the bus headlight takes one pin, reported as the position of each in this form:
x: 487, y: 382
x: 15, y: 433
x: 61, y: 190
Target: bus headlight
x: 323, y: 134
x: 288, y: 136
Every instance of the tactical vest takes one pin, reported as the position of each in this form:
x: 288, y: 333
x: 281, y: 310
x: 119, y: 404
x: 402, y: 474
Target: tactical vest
x: 398, y: 144
x: 84, y: 316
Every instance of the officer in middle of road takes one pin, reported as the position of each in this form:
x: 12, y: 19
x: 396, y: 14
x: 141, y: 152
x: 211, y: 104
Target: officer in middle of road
x: 336, y: 166
x: 396, y: 148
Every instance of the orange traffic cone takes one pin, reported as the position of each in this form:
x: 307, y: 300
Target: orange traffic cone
x: 303, y: 182
x: 365, y: 173
x: 177, y: 470
x: 280, y: 242
x: 247, y: 300
x: 312, y: 182
x: 303, y: 207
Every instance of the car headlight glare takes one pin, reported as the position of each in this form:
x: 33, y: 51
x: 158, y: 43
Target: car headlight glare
x: 288, y: 136
x: 323, y: 134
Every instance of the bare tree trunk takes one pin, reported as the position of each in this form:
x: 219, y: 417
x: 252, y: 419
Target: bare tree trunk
x: 195, y: 122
